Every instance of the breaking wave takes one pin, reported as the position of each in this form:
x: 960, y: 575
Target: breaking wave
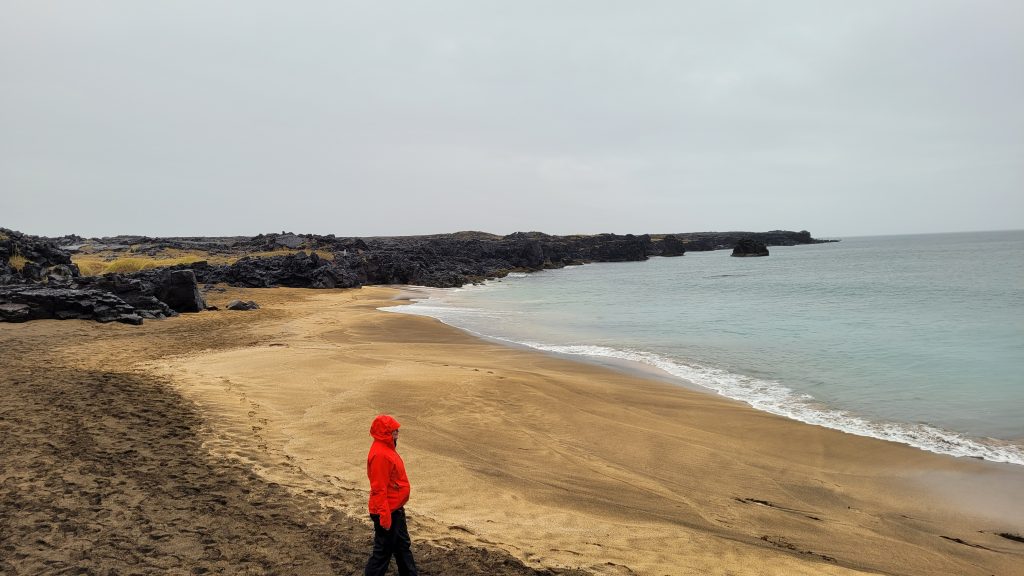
x: 765, y: 395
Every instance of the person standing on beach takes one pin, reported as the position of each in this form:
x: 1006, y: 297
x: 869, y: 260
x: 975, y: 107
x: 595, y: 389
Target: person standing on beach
x: 389, y: 491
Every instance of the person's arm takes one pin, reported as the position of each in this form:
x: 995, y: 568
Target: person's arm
x: 380, y: 479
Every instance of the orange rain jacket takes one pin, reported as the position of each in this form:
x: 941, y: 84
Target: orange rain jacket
x: 389, y: 486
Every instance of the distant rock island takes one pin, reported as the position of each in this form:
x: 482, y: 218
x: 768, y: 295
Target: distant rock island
x: 750, y: 247
x: 131, y: 278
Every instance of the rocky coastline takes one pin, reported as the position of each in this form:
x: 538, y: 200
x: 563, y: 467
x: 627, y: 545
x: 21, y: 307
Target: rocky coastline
x: 39, y: 278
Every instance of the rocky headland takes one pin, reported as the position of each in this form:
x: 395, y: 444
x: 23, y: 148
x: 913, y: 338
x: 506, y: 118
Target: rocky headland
x: 47, y: 277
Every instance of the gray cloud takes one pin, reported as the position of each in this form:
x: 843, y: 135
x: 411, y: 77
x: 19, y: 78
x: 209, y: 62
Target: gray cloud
x: 359, y: 118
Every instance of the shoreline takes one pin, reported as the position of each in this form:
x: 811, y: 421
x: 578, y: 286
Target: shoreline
x: 559, y: 463
x: 624, y: 467
x: 628, y: 367
x: 921, y: 436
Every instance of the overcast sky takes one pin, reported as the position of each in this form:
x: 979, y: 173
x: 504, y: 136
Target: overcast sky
x: 374, y: 118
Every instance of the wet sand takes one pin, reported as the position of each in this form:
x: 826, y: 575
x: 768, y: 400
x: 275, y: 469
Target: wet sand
x: 519, y: 460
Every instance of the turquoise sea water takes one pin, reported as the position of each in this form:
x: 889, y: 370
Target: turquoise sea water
x: 917, y: 339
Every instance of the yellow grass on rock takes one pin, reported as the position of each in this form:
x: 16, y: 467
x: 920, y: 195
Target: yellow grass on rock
x: 104, y: 262
x: 90, y: 267
x: 137, y: 264
x: 321, y: 253
x: 17, y: 261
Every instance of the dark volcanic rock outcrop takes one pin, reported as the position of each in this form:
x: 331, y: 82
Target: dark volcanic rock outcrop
x: 156, y: 293
x: 669, y: 245
x: 38, y: 281
x: 28, y: 302
x: 25, y: 258
x: 444, y: 260
x: 298, y: 270
x: 14, y: 312
x: 42, y: 282
x: 136, y: 292
x: 702, y: 241
x: 60, y: 275
x: 610, y: 248
x: 441, y: 260
x: 178, y: 289
x: 290, y: 241
x: 314, y: 261
x: 452, y: 260
x: 749, y: 247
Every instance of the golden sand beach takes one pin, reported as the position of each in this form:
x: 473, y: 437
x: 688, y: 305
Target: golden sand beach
x: 516, y: 458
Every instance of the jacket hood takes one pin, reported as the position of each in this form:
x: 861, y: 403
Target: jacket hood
x: 382, y: 427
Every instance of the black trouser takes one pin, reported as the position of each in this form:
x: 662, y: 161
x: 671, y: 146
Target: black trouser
x: 387, y: 543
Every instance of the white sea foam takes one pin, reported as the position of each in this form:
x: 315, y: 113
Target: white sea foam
x: 443, y: 313
x: 764, y: 395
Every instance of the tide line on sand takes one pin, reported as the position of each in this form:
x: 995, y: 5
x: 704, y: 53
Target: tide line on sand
x: 766, y: 395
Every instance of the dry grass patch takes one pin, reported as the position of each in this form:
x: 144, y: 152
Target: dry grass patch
x: 323, y: 254
x: 99, y: 263
x: 89, y: 266
x: 17, y: 261
x: 137, y: 264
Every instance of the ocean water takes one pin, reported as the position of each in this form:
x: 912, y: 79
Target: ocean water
x: 916, y: 339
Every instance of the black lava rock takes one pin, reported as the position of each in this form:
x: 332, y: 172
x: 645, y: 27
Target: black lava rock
x: 21, y: 303
x: 179, y: 290
x: 298, y: 270
x: 138, y: 292
x: 442, y: 260
x: 25, y: 259
x: 11, y: 312
x: 749, y: 247
x: 669, y: 245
